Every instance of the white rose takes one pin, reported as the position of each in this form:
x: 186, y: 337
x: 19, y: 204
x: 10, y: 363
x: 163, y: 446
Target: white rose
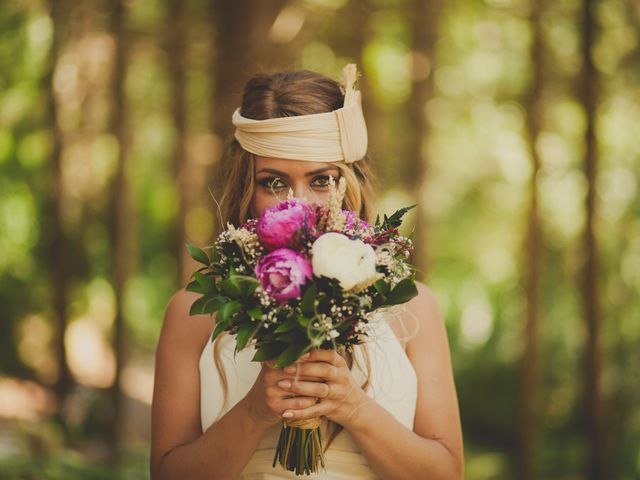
x: 349, y: 261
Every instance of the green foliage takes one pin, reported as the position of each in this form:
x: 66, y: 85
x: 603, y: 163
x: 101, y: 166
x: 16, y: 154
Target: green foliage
x: 394, y: 221
x: 404, y: 291
x: 70, y: 465
x: 198, y: 255
x: 268, y: 351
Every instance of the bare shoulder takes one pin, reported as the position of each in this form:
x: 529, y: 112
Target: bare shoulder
x: 175, y: 409
x: 437, y: 416
x: 426, y: 300
x: 185, y: 330
x: 423, y: 317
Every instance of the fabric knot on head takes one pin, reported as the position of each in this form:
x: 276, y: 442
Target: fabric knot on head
x: 340, y: 135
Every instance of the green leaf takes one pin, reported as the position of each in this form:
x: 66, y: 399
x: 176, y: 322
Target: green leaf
x: 287, y: 326
x: 395, y: 220
x: 293, y: 337
x: 308, y: 299
x: 198, y: 306
x: 231, y: 287
x: 247, y: 285
x: 214, y: 304
x: 290, y: 355
x: 255, y: 313
x: 404, y: 291
x: 198, y: 254
x: 382, y: 287
x: 206, y: 282
x: 245, y: 332
x: 220, y: 327
x: 303, y: 321
x: 194, y: 287
x: 268, y: 351
x: 239, y: 286
x: 228, y: 309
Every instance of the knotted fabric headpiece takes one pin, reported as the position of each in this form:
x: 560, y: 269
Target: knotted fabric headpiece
x: 340, y: 135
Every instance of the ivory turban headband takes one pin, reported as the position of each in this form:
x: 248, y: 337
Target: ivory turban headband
x: 340, y: 135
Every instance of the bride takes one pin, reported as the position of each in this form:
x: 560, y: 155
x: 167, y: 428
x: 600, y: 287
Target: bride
x: 218, y: 416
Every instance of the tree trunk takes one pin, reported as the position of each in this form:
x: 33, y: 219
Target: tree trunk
x: 424, y: 25
x: 355, y: 32
x: 596, y: 466
x: 121, y: 210
x: 59, y: 256
x: 529, y: 400
x: 241, y: 30
x: 175, y: 33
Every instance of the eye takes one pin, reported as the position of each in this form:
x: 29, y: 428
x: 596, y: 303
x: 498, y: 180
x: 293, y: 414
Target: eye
x: 272, y: 183
x: 321, y: 181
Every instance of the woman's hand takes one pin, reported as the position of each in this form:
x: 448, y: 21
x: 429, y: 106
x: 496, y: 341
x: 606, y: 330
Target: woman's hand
x: 339, y: 395
x: 267, y: 400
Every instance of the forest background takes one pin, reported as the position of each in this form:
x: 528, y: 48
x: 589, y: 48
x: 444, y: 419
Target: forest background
x: 514, y: 124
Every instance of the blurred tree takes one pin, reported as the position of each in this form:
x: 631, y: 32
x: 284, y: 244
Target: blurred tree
x: 423, y: 18
x: 59, y: 254
x: 242, y: 49
x: 122, y: 208
x: 529, y: 399
x: 588, y: 97
x: 174, y: 42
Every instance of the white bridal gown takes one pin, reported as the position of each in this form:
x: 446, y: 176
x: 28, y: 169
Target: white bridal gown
x: 393, y: 385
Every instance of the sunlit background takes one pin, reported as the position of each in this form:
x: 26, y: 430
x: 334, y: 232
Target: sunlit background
x: 514, y: 124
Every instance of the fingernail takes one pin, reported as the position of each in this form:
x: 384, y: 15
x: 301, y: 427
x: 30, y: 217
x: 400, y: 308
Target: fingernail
x: 287, y: 414
x: 290, y: 369
x: 284, y: 383
x: 305, y: 356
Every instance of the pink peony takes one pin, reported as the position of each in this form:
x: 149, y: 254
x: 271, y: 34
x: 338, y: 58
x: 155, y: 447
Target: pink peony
x: 282, y: 272
x: 282, y: 225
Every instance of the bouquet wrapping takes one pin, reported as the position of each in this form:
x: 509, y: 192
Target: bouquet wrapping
x: 302, y: 276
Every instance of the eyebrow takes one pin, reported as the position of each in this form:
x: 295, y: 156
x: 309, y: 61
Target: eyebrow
x: 284, y: 174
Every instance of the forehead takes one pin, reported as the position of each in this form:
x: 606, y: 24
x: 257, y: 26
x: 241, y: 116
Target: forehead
x: 292, y: 167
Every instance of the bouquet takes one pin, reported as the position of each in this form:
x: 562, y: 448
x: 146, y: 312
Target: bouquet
x: 302, y: 276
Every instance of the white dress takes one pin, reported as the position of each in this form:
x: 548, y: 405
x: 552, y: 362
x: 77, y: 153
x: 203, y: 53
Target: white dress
x: 393, y: 384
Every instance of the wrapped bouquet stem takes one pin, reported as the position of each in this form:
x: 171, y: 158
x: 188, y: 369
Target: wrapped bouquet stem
x: 300, y: 446
x: 302, y: 276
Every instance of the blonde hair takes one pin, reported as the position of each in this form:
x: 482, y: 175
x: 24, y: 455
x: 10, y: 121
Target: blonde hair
x: 288, y: 93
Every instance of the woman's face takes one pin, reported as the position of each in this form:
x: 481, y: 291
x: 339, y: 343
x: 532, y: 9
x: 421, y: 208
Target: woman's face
x: 275, y: 176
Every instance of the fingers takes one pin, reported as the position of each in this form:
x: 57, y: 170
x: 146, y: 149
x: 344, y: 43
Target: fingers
x: 293, y: 370
x: 323, y: 370
x: 316, y: 410
x: 298, y: 387
x: 323, y: 355
x: 272, y: 376
x: 279, y: 399
x: 296, y: 403
x: 308, y: 389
